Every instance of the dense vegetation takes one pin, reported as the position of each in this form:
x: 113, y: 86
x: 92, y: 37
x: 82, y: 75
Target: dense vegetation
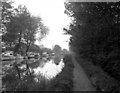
x: 95, y: 34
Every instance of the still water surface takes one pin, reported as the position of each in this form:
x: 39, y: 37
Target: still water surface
x: 47, y: 69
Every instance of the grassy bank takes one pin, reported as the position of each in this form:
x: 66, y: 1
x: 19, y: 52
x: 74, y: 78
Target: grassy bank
x: 100, y: 79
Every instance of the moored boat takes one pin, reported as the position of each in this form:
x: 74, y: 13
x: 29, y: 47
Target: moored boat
x: 7, y: 58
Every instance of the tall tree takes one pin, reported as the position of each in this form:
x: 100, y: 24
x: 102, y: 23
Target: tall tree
x: 22, y: 28
x: 16, y: 27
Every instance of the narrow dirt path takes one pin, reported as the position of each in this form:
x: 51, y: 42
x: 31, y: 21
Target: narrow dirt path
x: 81, y: 81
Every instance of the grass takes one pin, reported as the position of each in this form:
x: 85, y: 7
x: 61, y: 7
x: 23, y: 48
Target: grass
x: 29, y: 84
x: 100, y: 79
x: 12, y: 83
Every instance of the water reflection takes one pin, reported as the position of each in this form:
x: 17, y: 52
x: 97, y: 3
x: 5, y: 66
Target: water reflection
x: 50, y: 69
x: 18, y: 61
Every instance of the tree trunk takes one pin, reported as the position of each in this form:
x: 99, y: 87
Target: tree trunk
x: 27, y: 69
x: 17, y: 46
x: 28, y: 45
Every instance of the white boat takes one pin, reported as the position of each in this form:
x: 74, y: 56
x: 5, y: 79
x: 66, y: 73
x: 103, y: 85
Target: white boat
x: 5, y: 58
x: 7, y: 55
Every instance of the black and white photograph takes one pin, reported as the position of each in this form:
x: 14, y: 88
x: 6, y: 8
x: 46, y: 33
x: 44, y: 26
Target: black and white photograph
x: 60, y: 45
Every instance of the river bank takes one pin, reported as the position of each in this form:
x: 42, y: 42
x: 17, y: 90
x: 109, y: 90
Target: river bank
x: 99, y: 79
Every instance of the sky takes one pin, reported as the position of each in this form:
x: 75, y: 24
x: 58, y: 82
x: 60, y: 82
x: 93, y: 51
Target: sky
x: 52, y: 14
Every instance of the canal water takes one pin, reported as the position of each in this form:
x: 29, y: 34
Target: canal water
x: 48, y: 69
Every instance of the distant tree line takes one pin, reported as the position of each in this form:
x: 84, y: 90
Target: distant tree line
x: 95, y: 33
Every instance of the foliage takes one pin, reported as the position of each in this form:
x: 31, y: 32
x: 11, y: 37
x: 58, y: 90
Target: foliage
x: 65, y: 51
x: 6, y: 13
x: 57, y: 50
x: 11, y: 81
x: 6, y: 10
x: 95, y: 33
x: 34, y: 48
x: 22, y: 28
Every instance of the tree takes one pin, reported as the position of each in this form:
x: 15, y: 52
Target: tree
x: 35, y: 48
x: 64, y: 51
x: 95, y: 33
x: 57, y: 51
x: 29, y: 34
x: 15, y: 28
x: 22, y: 29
